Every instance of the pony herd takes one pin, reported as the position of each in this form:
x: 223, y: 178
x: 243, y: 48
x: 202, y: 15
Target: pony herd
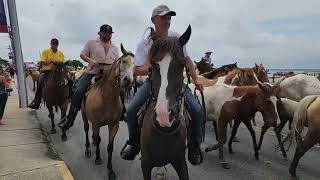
x: 232, y: 95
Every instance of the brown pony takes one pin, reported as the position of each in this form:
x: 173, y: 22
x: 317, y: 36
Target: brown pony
x: 164, y: 134
x: 225, y: 103
x: 56, y: 92
x: 306, y: 115
x: 102, y: 106
x: 35, y: 75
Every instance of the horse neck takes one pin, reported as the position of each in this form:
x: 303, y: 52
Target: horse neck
x: 249, y: 95
x: 108, y: 86
x: 230, y: 76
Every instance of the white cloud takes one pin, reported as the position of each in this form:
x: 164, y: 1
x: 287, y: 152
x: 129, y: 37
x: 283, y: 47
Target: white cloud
x: 228, y: 27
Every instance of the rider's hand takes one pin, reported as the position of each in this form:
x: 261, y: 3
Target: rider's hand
x: 199, y: 86
x: 93, y: 62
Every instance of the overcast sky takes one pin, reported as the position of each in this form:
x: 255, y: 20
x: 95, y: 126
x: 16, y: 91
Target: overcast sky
x: 277, y: 33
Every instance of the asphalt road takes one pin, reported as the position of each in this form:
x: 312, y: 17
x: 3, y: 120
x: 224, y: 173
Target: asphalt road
x: 271, y: 165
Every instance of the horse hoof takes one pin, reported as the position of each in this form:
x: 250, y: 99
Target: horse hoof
x: 292, y: 172
x: 88, y: 154
x: 231, y: 151
x: 257, y: 156
x: 53, y: 131
x: 112, y: 175
x: 98, y: 161
x: 64, y: 138
x: 226, y: 165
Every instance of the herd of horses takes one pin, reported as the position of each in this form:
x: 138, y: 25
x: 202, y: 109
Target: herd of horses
x: 232, y: 95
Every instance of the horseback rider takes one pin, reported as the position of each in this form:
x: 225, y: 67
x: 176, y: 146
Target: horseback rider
x: 161, y: 18
x: 48, y: 57
x: 100, y: 54
x: 207, y: 58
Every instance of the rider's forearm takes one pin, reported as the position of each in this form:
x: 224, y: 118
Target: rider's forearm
x: 191, y: 69
x: 85, y: 58
x: 141, y: 70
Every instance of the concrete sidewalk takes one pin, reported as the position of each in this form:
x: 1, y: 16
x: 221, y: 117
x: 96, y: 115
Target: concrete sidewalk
x: 25, y: 150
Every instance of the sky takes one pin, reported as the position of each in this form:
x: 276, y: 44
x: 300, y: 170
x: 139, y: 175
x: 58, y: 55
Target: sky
x: 276, y: 33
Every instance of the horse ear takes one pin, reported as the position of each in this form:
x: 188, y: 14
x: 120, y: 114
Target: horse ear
x: 256, y: 65
x: 265, y: 87
x: 123, y: 50
x: 184, y: 38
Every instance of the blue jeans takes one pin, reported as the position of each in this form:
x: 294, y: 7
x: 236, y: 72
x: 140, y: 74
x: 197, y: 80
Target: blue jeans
x: 82, y: 87
x: 3, y: 102
x: 142, y: 96
x: 44, y: 78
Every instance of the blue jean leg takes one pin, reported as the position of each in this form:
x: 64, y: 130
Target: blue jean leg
x: 44, y: 77
x: 196, y: 114
x: 81, y: 90
x: 135, y: 105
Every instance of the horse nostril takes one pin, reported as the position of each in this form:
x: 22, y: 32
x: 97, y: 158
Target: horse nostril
x: 171, y: 114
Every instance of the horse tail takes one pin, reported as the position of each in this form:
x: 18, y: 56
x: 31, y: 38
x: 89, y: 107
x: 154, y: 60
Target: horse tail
x: 300, y: 118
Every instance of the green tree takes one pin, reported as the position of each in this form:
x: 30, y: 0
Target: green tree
x: 75, y: 63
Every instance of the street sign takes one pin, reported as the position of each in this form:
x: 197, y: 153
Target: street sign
x: 3, y: 19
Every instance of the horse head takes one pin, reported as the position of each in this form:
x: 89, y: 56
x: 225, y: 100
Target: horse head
x: 59, y: 74
x: 247, y: 76
x: 168, y: 62
x: 261, y: 72
x: 266, y: 102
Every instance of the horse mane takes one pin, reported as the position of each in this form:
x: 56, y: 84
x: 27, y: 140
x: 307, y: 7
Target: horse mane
x: 217, y: 70
x: 162, y: 46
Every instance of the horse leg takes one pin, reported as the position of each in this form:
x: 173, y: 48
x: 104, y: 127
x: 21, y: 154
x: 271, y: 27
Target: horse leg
x: 51, y: 116
x: 222, y: 130
x: 112, y: 133
x: 278, y: 130
x: 253, y: 135
x: 264, y: 129
x: 254, y: 121
x: 214, y: 123
x: 146, y: 170
x: 63, y: 109
x: 181, y: 169
x: 233, y: 134
x: 96, y: 138
x: 302, y: 148
x: 86, y: 129
x: 34, y: 85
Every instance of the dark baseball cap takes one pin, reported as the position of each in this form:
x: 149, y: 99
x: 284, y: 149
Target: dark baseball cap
x: 54, y: 41
x: 106, y: 28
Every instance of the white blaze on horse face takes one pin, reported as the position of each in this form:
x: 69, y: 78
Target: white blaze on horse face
x: 274, y: 102
x: 162, y: 101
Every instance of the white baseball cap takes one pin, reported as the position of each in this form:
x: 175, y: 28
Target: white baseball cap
x: 162, y: 10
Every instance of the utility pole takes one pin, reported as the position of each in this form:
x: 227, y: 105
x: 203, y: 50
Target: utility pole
x: 17, y: 51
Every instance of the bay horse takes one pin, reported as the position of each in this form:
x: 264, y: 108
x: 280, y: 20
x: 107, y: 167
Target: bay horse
x: 203, y: 66
x: 56, y: 93
x: 225, y: 103
x: 102, y: 106
x: 306, y: 115
x: 35, y: 76
x: 164, y: 134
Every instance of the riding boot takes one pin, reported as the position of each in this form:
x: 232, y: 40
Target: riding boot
x: 194, y: 152
x: 67, y: 122
x: 35, y: 104
x: 132, y: 147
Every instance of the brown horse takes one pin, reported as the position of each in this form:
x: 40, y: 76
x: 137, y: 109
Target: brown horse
x: 306, y: 115
x: 164, y: 134
x: 35, y: 76
x: 203, y: 66
x: 225, y: 103
x: 56, y: 92
x: 102, y: 106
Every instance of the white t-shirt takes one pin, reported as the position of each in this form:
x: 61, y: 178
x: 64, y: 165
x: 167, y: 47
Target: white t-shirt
x: 144, y: 46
